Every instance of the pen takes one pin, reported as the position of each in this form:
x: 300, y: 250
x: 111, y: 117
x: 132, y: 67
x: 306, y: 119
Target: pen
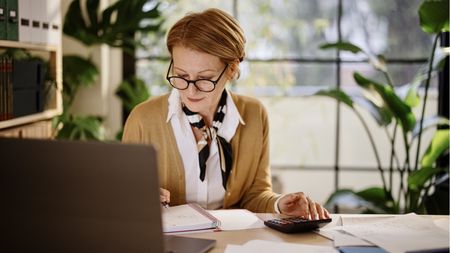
x: 165, y: 204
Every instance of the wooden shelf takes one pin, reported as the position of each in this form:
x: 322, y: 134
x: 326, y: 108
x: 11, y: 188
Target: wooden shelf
x: 45, y: 115
x: 28, y: 46
x: 54, y: 105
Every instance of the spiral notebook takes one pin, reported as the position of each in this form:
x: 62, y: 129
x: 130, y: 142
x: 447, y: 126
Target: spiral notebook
x: 187, y: 218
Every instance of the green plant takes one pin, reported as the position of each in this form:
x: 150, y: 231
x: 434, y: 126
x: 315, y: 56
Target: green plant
x: 394, y: 113
x: 77, y: 72
x: 115, y: 26
x: 131, y: 93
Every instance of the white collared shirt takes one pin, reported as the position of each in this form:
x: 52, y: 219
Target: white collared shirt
x: 209, y: 193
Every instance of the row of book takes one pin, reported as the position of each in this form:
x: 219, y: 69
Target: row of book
x: 31, y: 21
x: 22, y: 87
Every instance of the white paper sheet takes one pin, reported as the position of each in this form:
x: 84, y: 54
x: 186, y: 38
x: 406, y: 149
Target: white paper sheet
x: 237, y: 219
x: 348, y: 220
x: 262, y: 246
x: 403, y: 233
x: 343, y: 239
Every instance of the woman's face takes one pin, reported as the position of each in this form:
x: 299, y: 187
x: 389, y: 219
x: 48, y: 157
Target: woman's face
x: 193, y: 65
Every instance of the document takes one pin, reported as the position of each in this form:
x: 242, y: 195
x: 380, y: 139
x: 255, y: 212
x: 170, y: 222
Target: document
x: 405, y: 233
x: 189, y: 217
x: 193, y: 218
x: 262, y: 246
x: 340, y: 238
x: 237, y: 219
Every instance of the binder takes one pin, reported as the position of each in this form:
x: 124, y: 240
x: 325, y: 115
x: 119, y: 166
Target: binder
x: 42, y: 17
x: 2, y: 19
x: 54, y: 17
x: 12, y: 22
x: 35, y: 20
x: 24, y: 20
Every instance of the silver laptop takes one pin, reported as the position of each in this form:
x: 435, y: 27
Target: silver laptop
x: 61, y: 196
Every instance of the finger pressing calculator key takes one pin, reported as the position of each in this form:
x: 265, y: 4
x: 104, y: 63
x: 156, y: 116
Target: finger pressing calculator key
x: 295, y: 224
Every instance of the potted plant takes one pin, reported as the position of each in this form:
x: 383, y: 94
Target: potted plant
x: 115, y: 26
x: 394, y: 112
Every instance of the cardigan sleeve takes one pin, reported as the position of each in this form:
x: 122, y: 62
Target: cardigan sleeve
x: 260, y: 197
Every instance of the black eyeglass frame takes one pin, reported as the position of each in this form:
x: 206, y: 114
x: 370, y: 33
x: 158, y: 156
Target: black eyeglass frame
x: 214, y: 82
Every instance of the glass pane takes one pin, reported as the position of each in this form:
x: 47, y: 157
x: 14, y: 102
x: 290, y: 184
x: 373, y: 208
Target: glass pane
x: 154, y: 75
x: 301, y: 180
x: 302, y: 130
x: 288, y: 78
x: 400, y: 73
x: 173, y: 10
x: 355, y: 148
x: 286, y: 28
x: 388, y: 27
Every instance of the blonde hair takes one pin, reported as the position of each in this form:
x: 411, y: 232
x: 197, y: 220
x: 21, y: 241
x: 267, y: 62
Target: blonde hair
x: 212, y: 31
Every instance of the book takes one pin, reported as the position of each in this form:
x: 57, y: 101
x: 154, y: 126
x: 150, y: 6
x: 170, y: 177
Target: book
x: 3, y: 20
x: 188, y: 217
x: 12, y: 20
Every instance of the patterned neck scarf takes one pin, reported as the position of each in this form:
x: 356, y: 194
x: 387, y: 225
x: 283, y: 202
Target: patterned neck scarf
x: 210, y: 133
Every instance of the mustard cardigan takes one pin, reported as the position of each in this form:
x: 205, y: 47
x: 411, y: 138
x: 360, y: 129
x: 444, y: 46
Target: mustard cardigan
x: 249, y: 185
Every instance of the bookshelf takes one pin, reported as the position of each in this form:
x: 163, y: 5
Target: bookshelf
x: 37, y: 125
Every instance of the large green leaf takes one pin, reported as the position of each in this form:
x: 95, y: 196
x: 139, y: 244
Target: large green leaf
x: 336, y: 94
x: 378, y: 61
x: 344, y: 46
x: 378, y: 197
x: 77, y: 72
x: 80, y: 128
x: 347, y: 198
x: 398, y: 108
x: 438, y: 145
x: 418, y: 178
x: 381, y: 114
x: 411, y: 96
x: 429, y: 122
x: 434, y: 16
x: 440, y: 58
x: 132, y: 92
x: 115, y: 26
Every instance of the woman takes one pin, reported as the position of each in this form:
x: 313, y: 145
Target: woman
x: 213, y: 145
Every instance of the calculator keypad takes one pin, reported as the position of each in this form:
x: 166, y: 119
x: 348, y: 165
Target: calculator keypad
x: 295, y: 224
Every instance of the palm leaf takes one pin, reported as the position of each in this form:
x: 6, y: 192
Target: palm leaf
x: 398, y: 108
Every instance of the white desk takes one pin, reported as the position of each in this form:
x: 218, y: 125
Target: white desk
x: 240, y: 237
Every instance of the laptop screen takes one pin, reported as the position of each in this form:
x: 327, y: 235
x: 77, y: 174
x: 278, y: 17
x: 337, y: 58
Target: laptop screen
x: 79, y: 197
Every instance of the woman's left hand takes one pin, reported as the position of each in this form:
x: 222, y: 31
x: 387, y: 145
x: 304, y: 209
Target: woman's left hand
x: 298, y: 204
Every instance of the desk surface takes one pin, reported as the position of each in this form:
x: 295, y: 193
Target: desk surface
x: 240, y: 237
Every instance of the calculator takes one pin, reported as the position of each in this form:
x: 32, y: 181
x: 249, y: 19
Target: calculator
x: 295, y: 224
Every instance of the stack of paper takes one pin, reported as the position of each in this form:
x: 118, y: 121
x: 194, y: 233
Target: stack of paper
x: 395, y: 234
x: 262, y: 246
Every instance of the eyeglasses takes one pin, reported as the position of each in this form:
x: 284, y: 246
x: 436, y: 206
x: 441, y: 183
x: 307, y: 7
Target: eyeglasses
x: 181, y: 83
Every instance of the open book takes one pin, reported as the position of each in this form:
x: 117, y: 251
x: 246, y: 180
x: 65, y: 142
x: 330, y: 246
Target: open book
x: 193, y: 218
x: 189, y: 217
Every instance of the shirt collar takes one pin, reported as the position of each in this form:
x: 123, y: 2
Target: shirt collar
x: 175, y: 106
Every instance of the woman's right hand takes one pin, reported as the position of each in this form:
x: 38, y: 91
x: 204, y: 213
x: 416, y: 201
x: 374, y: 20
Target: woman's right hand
x: 164, y: 196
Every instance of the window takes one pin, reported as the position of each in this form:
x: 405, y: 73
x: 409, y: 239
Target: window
x: 310, y: 136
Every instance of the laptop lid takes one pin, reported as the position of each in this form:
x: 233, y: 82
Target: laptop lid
x: 83, y: 197
x: 60, y: 196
